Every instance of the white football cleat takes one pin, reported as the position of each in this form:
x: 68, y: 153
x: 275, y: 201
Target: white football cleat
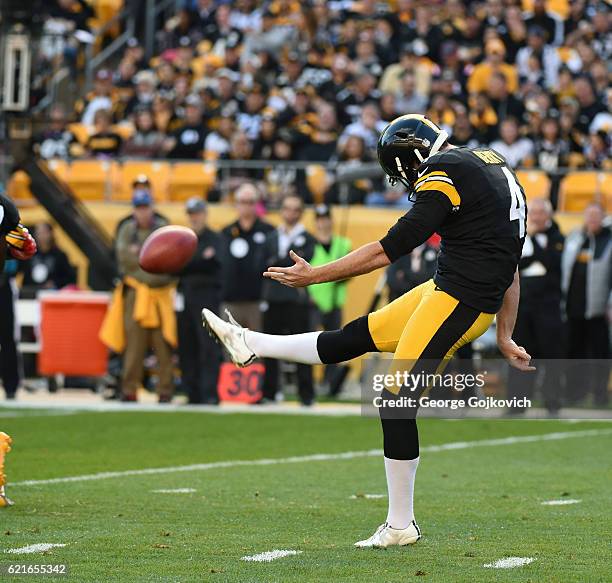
x: 385, y: 536
x: 231, y: 335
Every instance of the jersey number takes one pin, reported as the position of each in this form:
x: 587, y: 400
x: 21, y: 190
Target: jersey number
x: 517, y: 204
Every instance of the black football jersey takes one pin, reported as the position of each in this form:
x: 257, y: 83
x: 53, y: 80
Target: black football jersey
x: 475, y: 202
x: 9, y: 215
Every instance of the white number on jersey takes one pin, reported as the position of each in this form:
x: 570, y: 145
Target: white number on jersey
x: 517, y: 204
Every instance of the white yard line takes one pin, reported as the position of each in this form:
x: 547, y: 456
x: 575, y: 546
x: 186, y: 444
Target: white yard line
x: 269, y: 556
x: 510, y: 563
x: 37, y: 548
x: 367, y: 496
x: 318, y: 457
x: 174, y: 491
x: 23, y: 413
x: 562, y: 502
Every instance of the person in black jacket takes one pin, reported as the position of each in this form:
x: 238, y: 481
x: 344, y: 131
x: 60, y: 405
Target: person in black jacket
x: 288, y: 309
x: 412, y: 270
x: 244, y: 259
x: 199, y: 287
x: 49, y: 268
x: 539, y: 327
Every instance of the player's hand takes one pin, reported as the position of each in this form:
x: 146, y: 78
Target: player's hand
x: 516, y: 355
x: 298, y: 275
x: 21, y: 244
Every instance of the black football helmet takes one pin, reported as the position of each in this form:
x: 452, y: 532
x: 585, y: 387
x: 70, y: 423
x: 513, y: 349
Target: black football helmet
x: 405, y: 143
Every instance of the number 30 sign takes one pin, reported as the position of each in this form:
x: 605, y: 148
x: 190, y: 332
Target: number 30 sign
x: 240, y: 385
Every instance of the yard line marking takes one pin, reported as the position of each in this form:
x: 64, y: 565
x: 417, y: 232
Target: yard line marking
x: 269, y: 556
x: 562, y: 502
x: 175, y: 491
x: 37, y: 548
x: 317, y: 457
x: 509, y: 563
x: 367, y: 496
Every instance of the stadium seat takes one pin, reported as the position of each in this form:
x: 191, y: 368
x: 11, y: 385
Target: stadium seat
x: 317, y: 181
x: 605, y: 189
x: 89, y: 179
x: 535, y: 182
x: 18, y: 187
x: 189, y: 179
x: 125, y: 174
x: 577, y: 190
x: 59, y: 168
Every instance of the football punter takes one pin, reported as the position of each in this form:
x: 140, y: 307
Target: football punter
x: 474, y: 201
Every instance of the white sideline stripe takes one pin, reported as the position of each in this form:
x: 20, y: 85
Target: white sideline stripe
x: 269, y: 556
x: 509, y: 563
x: 37, y: 548
x: 367, y: 496
x: 562, y: 502
x: 20, y: 414
x: 175, y: 491
x: 317, y: 457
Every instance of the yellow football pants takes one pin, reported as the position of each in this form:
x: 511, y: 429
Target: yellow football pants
x: 426, y: 323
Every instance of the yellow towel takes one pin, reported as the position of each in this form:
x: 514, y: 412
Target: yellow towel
x: 153, y: 307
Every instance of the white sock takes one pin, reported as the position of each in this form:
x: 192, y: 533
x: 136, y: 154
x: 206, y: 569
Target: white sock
x: 293, y: 347
x: 400, y: 486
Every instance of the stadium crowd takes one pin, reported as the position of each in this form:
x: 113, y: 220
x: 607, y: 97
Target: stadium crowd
x: 317, y: 81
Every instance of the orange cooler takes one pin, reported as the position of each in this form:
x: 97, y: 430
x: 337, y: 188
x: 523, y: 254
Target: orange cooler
x: 70, y: 323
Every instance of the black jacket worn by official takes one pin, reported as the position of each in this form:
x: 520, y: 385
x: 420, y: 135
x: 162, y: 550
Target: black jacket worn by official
x: 244, y: 261
x: 200, y: 287
x: 274, y: 292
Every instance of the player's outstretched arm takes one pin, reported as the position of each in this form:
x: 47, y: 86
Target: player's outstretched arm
x: 363, y: 260
x: 516, y: 355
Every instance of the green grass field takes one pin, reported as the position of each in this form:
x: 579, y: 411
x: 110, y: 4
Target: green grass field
x: 475, y: 505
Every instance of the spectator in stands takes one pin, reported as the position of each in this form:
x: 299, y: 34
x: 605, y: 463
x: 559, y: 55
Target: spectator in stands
x: 147, y: 141
x: 545, y: 55
x: 352, y: 154
x: 539, y: 315
x: 104, y: 142
x: 589, y: 105
x: 187, y: 142
x: 597, y: 150
x: 145, y: 82
x: 502, y: 101
x: 199, y: 287
x: 516, y: 150
x: 586, y: 276
x: 550, y: 151
x: 494, y: 62
x: 328, y: 298
x: 56, y: 141
x: 368, y: 128
x: 141, y: 314
x: 217, y: 143
x: 101, y: 98
x: 463, y: 133
x: 244, y: 258
x: 552, y: 26
x: 49, y: 268
x: 288, y: 309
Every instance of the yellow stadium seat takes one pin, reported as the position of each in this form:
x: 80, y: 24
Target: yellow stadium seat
x: 605, y: 188
x: 577, y: 190
x: 59, y: 168
x: 18, y: 187
x: 535, y: 182
x: 189, y: 179
x: 317, y: 181
x: 125, y: 174
x: 89, y: 179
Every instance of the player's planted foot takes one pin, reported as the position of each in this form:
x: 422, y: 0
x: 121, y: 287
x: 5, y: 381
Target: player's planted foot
x: 231, y: 335
x: 385, y: 536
